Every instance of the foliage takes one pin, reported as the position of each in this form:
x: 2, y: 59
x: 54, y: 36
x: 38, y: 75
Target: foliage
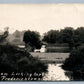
x: 51, y: 36
x: 75, y: 65
x: 75, y: 62
x: 80, y: 33
x: 66, y: 35
x: 12, y: 59
x: 32, y: 38
x: 2, y: 37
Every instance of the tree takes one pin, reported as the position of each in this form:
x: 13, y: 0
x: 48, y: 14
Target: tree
x: 77, y: 41
x: 80, y: 33
x: 17, y: 34
x: 51, y: 36
x: 68, y: 36
x: 32, y: 38
x: 5, y: 35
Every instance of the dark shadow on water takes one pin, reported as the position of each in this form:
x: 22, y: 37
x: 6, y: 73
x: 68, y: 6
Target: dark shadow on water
x: 75, y: 76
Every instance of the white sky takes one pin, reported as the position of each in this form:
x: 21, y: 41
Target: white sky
x: 41, y: 17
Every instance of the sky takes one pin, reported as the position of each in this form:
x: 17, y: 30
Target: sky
x: 41, y: 17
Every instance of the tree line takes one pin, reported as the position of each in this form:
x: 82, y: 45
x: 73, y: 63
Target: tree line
x: 73, y: 37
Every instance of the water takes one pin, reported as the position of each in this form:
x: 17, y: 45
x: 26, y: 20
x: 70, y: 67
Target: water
x: 55, y: 73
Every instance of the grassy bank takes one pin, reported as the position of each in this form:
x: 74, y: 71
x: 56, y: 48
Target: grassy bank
x: 60, y: 48
x: 51, y: 57
x: 58, y: 45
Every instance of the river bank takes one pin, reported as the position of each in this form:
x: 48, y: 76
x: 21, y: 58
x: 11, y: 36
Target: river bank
x: 51, y: 57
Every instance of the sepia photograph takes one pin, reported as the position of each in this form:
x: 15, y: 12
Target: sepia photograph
x: 42, y: 42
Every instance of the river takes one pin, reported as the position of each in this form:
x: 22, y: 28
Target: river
x: 55, y: 73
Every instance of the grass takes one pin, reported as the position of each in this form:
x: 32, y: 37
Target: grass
x: 51, y: 57
x: 58, y: 45
x: 58, y: 49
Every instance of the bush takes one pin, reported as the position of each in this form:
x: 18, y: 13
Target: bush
x: 75, y: 65
x: 13, y: 59
x: 75, y: 62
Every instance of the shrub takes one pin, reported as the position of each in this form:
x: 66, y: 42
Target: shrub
x: 13, y: 59
x: 75, y: 61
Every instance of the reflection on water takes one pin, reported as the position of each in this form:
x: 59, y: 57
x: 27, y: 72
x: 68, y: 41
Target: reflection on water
x: 76, y: 75
x: 55, y: 73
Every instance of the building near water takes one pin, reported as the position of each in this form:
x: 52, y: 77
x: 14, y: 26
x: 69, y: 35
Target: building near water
x: 43, y: 49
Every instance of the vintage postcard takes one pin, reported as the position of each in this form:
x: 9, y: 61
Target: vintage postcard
x: 42, y: 42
